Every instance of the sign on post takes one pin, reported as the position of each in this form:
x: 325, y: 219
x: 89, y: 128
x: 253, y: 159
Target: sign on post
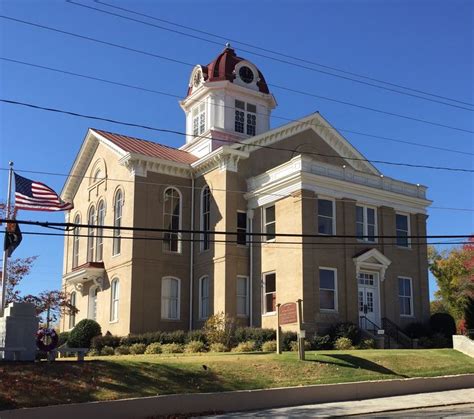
x: 290, y: 313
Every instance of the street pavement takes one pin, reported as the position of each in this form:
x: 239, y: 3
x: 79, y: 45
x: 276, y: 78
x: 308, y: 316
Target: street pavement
x: 458, y: 403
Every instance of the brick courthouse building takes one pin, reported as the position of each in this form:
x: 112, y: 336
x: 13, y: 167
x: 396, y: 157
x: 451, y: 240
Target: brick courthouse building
x: 235, y: 174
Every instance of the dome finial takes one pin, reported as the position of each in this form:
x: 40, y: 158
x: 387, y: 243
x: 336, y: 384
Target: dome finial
x: 227, y: 44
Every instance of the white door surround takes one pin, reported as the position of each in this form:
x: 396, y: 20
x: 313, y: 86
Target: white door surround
x: 368, y: 298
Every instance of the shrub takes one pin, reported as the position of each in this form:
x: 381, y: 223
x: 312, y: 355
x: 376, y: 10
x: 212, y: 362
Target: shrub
x: 177, y: 336
x: 62, y: 338
x: 172, y: 348
x: 469, y: 314
x: 438, y: 340
x: 416, y: 330
x: 195, y: 346
x: 98, y: 342
x: 153, y: 348
x: 218, y: 347
x: 244, y: 334
x: 220, y: 328
x: 443, y: 323
x: 343, y: 343
x: 93, y: 352
x: 425, y: 342
x: 286, y: 339
x: 345, y: 330
x: 294, y: 346
x: 367, y: 344
x: 107, y: 350
x: 248, y: 346
x: 269, y: 346
x: 137, y: 348
x: 321, y: 342
x: 122, y: 350
x: 82, y: 334
x: 198, y: 334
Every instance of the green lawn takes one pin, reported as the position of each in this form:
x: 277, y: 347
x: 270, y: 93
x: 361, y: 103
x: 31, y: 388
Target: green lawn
x: 116, y: 377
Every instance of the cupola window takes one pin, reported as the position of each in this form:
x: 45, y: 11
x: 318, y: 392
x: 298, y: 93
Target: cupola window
x: 245, y: 118
x: 199, y: 119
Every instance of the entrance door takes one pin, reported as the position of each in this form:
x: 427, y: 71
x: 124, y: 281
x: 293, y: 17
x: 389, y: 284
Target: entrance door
x: 368, y: 300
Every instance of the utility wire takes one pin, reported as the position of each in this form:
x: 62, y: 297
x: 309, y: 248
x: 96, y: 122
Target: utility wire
x: 273, y: 58
x: 171, y: 95
x: 48, y: 224
x: 212, y: 188
x: 130, y: 124
x: 273, y: 245
x: 191, y: 65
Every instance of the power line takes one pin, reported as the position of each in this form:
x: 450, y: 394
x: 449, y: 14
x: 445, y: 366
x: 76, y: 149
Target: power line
x: 281, y: 245
x: 130, y: 124
x: 48, y: 224
x: 212, y: 188
x: 140, y: 88
x: 189, y: 64
x: 276, y: 53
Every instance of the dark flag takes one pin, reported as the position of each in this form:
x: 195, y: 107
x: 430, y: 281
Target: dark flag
x: 12, y: 238
x: 36, y: 196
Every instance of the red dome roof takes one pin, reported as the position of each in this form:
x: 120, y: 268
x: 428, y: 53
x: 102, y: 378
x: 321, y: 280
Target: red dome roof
x: 222, y: 68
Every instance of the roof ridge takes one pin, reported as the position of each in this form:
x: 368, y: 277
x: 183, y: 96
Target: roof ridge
x: 140, y: 139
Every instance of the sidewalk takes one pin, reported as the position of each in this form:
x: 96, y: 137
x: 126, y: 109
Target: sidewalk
x: 365, y: 407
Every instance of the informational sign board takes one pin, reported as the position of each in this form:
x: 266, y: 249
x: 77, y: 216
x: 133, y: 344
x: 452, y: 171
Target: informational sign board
x: 288, y: 313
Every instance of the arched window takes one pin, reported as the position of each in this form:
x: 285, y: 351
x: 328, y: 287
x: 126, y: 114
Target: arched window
x: 114, y: 300
x: 90, y: 235
x: 93, y: 302
x: 204, y: 297
x: 75, y: 242
x: 118, y: 206
x: 100, y: 231
x: 170, y: 298
x: 98, y: 175
x: 172, y: 220
x: 205, y: 217
x: 72, y: 316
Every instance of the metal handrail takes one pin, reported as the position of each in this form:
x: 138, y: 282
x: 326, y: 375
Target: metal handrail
x: 393, y: 331
x: 375, y: 328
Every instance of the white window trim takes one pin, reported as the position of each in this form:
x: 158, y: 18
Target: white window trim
x: 247, y: 296
x: 179, y: 298
x: 100, y: 231
x: 404, y: 296
x: 366, y: 224
x: 264, y: 286
x: 180, y: 247
x: 119, y: 237
x: 336, y: 296
x: 76, y: 241
x: 201, y: 317
x: 201, y: 216
x: 264, y: 222
x: 246, y: 229
x: 333, y: 200
x: 112, y: 300
x: 406, y: 214
x: 91, y: 234
x: 72, y: 316
x: 198, y: 117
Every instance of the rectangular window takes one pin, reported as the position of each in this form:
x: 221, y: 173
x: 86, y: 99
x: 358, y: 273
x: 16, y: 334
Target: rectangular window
x: 245, y: 118
x: 269, y: 222
x: 72, y: 315
x: 204, y: 297
x: 241, y: 228
x: 403, y: 229
x: 405, y: 296
x: 269, y: 293
x: 366, y: 223
x: 114, y: 300
x: 170, y: 298
x: 199, y: 119
x: 242, y: 296
x: 326, y: 217
x: 328, y: 289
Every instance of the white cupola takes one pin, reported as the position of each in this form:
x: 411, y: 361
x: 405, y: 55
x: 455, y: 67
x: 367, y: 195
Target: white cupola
x: 227, y: 101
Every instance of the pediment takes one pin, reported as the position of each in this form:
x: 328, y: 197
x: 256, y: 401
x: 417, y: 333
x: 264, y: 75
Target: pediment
x: 372, y: 259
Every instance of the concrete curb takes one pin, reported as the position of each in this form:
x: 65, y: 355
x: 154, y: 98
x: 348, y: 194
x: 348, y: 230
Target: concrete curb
x: 233, y: 401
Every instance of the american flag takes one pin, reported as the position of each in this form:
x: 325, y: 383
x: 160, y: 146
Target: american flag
x: 36, y: 196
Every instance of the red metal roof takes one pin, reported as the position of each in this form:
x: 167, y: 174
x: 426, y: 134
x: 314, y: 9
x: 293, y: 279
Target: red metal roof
x: 148, y: 148
x: 222, y: 68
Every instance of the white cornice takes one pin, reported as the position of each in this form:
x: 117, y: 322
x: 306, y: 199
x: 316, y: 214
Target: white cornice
x: 304, y: 173
x: 139, y: 165
x: 225, y: 157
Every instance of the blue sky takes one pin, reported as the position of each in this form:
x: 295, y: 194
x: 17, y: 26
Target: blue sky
x: 426, y: 45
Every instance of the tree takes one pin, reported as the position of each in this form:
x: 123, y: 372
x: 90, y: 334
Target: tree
x: 49, y: 303
x: 454, y: 273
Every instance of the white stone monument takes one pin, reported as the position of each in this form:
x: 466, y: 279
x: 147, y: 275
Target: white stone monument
x: 18, y: 328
